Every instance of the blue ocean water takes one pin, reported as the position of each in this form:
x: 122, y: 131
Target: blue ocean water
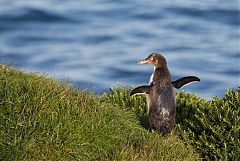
x: 95, y: 44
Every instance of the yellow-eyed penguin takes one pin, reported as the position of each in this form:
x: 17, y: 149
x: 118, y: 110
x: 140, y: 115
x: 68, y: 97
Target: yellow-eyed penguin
x: 161, y: 99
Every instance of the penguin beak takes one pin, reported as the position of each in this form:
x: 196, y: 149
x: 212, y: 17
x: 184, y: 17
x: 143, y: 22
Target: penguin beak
x: 145, y: 61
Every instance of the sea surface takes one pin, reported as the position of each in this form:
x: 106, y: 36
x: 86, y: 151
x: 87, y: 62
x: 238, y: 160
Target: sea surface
x: 94, y: 44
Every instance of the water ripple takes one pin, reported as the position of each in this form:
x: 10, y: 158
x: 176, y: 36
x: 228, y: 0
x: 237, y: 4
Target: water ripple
x: 34, y: 15
x: 223, y: 16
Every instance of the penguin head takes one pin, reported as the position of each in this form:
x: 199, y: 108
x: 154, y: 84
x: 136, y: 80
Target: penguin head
x: 154, y: 59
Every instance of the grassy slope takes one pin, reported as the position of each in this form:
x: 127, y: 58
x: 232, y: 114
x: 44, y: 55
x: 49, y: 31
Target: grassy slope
x: 41, y: 118
x: 212, y: 127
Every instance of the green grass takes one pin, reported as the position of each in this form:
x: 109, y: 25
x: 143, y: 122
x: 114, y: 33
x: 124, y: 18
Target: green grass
x: 44, y: 119
x: 212, y: 127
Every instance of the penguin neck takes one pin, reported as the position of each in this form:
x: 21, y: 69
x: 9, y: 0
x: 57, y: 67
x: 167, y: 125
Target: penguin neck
x: 161, y: 74
x: 163, y: 68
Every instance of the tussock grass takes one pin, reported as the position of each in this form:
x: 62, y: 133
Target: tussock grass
x: 43, y: 119
x: 212, y: 127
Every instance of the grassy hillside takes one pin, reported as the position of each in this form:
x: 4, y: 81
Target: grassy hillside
x: 212, y: 127
x: 43, y: 119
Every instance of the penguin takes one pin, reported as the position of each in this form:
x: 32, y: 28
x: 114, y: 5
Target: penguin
x: 161, y: 99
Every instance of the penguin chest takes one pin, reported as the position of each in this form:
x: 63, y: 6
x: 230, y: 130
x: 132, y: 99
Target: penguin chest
x: 151, y: 79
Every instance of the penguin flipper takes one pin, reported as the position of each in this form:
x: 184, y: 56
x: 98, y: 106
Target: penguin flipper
x: 184, y: 81
x: 140, y: 90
